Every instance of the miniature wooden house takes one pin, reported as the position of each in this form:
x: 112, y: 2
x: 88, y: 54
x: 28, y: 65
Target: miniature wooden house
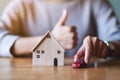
x: 48, y: 52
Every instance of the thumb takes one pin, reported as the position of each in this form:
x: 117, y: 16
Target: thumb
x: 63, y: 18
x: 79, y: 54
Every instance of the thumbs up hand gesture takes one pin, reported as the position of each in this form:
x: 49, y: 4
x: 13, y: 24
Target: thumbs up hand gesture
x: 66, y: 35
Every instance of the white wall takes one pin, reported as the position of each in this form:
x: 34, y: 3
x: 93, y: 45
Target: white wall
x: 3, y: 4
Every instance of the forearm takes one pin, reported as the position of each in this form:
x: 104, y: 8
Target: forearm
x: 23, y: 45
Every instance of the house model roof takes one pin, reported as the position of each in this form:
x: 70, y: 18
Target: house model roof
x: 48, y: 34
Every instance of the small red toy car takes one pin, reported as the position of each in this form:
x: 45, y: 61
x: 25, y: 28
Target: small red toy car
x: 79, y: 64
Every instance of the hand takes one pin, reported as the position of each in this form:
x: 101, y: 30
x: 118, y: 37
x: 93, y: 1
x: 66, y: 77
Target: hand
x: 91, y: 46
x: 66, y: 35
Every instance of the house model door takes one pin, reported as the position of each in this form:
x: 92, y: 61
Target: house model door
x: 55, y: 61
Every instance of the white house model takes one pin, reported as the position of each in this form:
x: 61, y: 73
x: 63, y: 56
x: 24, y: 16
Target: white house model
x: 48, y: 52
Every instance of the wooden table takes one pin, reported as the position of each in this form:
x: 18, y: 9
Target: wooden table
x: 22, y: 69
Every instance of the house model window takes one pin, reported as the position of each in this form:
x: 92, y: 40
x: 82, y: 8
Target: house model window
x: 38, y: 56
x: 38, y: 51
x: 58, y: 51
x: 42, y: 51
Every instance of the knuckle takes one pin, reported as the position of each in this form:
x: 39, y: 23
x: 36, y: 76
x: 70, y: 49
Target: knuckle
x: 96, y: 39
x: 87, y: 38
x: 72, y: 29
x: 70, y: 46
x: 72, y: 26
x: 72, y: 35
x: 67, y: 28
x: 102, y: 43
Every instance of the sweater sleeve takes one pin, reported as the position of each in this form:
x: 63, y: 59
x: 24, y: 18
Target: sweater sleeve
x: 108, y: 27
x: 6, y: 42
x: 9, y: 27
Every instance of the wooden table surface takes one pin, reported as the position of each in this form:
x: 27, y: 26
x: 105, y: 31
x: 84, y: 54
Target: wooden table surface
x: 22, y: 69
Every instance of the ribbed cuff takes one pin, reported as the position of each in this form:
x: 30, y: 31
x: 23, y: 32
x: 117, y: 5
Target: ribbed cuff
x: 6, y: 45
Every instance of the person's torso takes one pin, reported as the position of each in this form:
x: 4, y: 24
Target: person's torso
x: 40, y: 16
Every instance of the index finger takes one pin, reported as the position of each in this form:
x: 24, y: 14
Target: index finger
x: 88, y: 49
x: 79, y: 54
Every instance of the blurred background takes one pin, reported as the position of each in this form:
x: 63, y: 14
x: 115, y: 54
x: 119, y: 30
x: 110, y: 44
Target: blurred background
x: 114, y: 3
x: 3, y: 4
